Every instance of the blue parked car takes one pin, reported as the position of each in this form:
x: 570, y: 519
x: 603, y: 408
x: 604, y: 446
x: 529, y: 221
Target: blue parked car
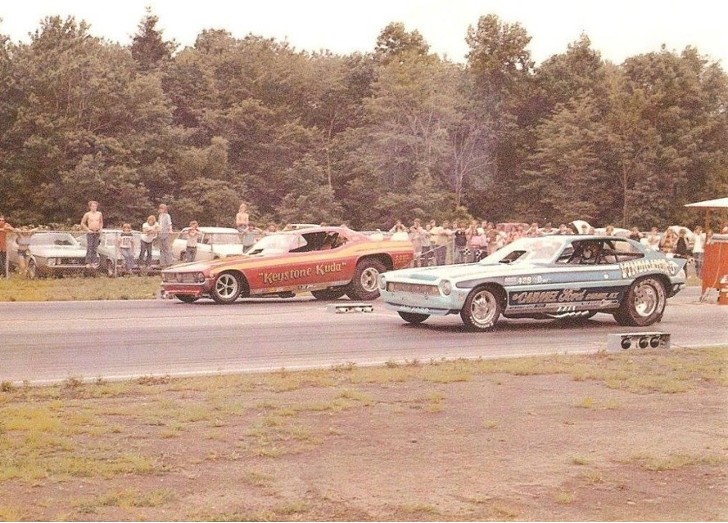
x: 549, y: 277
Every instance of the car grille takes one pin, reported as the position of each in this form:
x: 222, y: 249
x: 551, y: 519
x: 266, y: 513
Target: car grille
x: 180, y: 277
x: 414, y: 288
x: 71, y: 261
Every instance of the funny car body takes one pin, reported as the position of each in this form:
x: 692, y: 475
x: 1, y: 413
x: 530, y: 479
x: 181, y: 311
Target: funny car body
x: 570, y: 276
x: 329, y: 262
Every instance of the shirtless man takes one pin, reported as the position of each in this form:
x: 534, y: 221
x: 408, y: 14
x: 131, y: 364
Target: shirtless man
x: 92, y: 222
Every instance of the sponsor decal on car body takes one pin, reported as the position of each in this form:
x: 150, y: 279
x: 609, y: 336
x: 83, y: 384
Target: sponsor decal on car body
x: 633, y: 268
x: 321, y: 269
x: 565, y: 299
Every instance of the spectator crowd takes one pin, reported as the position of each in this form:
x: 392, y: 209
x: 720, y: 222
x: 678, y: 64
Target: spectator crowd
x: 434, y: 243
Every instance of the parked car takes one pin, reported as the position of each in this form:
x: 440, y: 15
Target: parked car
x: 329, y: 262
x: 51, y: 253
x: 213, y: 243
x: 566, y: 276
x: 111, y: 260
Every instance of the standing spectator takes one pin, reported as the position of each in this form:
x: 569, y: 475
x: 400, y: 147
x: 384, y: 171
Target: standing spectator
x: 653, y: 239
x: 416, y: 235
x: 149, y: 233
x: 242, y: 219
x: 398, y: 227
x: 501, y: 237
x: 427, y: 245
x: 435, y: 231
x: 515, y: 234
x: 250, y: 235
x: 681, y: 248
x: 165, y: 230
x: 441, y: 241
x: 470, y: 233
x: 548, y: 229
x: 5, y: 228
x: 533, y: 231
x: 609, y: 230
x: 448, y: 233
x: 634, y: 234
x: 698, y: 249
x: 563, y: 229
x: 272, y: 228
x: 125, y: 243
x: 479, y: 244
x: 667, y: 244
x: 460, y: 243
x: 23, y: 242
x: 193, y: 235
x: 92, y: 222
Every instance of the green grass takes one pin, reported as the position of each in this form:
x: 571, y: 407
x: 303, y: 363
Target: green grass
x: 17, y: 288
x: 96, y: 432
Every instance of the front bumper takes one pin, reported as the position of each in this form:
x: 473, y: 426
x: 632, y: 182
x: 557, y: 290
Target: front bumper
x: 435, y: 305
x: 170, y: 289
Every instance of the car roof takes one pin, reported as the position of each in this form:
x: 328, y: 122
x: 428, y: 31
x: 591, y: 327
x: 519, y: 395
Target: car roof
x: 315, y: 228
x: 214, y: 230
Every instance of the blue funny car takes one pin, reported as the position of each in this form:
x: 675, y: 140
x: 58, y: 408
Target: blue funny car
x: 545, y: 277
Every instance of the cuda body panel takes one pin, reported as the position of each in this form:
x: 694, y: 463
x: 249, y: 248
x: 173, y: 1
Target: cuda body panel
x: 272, y: 272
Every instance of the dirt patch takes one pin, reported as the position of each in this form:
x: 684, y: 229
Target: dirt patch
x: 461, y: 445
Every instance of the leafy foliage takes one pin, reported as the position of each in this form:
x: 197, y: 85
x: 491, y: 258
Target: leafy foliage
x: 368, y: 138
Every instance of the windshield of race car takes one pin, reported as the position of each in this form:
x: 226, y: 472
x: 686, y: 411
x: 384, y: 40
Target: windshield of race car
x: 532, y: 250
x: 277, y: 243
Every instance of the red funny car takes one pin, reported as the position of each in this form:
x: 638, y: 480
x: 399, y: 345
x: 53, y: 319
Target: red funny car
x: 326, y: 261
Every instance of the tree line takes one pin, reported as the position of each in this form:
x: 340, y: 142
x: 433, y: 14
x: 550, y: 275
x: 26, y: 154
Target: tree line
x: 365, y: 138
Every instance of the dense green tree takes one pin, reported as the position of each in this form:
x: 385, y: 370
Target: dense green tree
x: 364, y: 138
x: 499, y: 68
x: 148, y: 48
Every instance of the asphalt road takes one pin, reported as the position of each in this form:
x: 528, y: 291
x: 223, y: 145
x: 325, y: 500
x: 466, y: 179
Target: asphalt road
x: 49, y: 342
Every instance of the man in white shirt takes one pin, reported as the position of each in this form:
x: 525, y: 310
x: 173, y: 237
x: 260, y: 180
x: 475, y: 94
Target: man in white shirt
x: 698, y: 249
x: 165, y: 229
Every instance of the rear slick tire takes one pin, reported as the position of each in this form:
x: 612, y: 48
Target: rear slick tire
x: 365, y: 284
x: 644, y: 303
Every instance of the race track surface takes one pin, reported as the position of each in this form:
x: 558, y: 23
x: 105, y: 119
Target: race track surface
x: 50, y: 342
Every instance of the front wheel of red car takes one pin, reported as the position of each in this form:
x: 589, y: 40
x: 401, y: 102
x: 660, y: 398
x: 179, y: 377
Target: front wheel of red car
x: 644, y: 304
x: 227, y: 288
x: 365, y: 285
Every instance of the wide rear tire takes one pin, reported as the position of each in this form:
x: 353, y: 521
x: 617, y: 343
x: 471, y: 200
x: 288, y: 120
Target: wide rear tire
x: 365, y: 285
x: 644, y: 304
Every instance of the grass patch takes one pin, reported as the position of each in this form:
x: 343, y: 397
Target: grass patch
x: 564, y: 498
x: 677, y: 461
x: 17, y: 288
x: 90, y: 432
